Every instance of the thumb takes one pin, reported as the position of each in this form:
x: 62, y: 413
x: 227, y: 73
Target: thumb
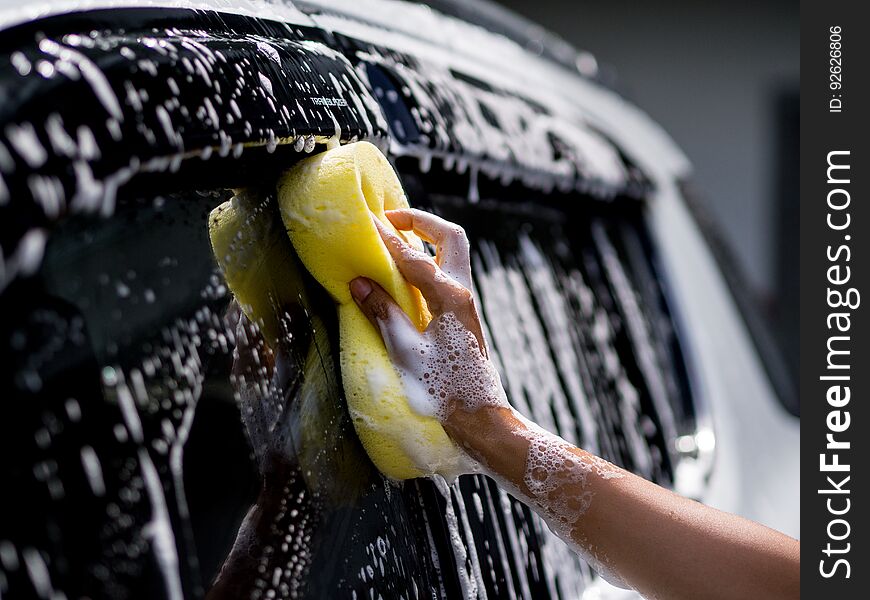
x: 383, y: 312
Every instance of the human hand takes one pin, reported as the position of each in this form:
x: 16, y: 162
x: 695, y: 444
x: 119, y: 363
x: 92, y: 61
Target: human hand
x: 260, y: 377
x: 291, y: 410
x: 447, y: 366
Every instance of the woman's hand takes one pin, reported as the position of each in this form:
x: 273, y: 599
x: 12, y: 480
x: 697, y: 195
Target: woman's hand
x: 260, y: 377
x: 659, y: 543
x: 447, y: 366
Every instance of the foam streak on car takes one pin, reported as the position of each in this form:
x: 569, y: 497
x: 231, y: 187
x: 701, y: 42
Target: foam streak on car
x: 129, y: 451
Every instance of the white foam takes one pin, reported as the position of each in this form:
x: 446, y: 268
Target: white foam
x: 93, y: 470
x: 464, y: 551
x: 444, y: 368
x: 559, y: 480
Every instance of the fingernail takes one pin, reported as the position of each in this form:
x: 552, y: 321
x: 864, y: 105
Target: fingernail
x: 397, y: 213
x: 360, y: 288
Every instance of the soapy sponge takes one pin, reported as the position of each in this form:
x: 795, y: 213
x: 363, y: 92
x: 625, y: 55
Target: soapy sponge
x: 326, y: 202
x: 253, y: 252
x: 254, y: 255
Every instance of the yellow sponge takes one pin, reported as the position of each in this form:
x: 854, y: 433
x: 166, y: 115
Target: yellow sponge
x: 254, y: 255
x: 253, y: 252
x: 326, y: 202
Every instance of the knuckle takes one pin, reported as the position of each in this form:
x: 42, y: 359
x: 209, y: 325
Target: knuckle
x: 420, y: 259
x: 435, y: 305
x: 450, y: 232
x: 462, y: 295
x: 457, y: 238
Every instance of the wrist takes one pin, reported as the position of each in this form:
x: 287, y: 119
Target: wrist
x: 491, y: 435
x: 470, y: 426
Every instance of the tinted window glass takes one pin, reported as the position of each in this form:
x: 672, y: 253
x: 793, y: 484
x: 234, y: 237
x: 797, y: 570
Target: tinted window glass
x: 136, y: 454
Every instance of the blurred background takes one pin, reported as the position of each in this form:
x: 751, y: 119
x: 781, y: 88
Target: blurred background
x: 722, y: 78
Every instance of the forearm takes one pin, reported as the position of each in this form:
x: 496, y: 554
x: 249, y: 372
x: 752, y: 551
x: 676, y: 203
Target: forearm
x: 668, y: 546
x: 239, y: 571
x: 257, y: 537
x: 659, y: 543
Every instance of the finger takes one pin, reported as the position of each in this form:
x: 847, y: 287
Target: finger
x: 443, y: 294
x: 439, y: 290
x: 466, y: 313
x: 251, y: 377
x: 253, y: 360
x: 231, y: 318
x: 451, y: 243
x: 382, y: 311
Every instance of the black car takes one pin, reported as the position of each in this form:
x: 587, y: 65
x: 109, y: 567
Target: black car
x: 132, y: 468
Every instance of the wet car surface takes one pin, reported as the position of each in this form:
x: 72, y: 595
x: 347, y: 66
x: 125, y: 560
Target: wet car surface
x: 133, y: 457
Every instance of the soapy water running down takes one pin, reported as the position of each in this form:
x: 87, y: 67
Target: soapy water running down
x: 131, y: 447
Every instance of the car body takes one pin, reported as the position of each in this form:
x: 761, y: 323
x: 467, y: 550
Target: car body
x: 122, y: 123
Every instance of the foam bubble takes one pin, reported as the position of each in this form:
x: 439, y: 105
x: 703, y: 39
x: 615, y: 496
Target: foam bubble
x: 444, y: 368
x: 559, y: 480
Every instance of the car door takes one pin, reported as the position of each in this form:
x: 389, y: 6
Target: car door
x: 133, y: 458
